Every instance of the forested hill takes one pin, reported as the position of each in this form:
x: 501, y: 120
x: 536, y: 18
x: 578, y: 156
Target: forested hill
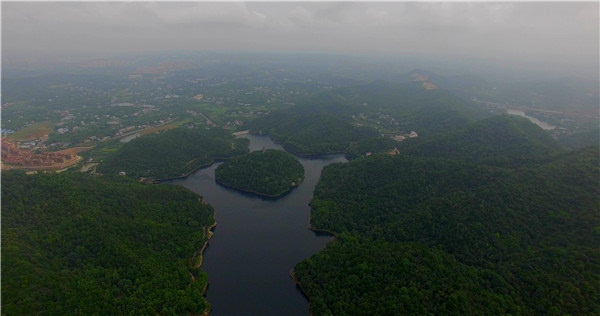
x: 312, y: 134
x: 431, y: 235
x: 79, y: 244
x: 503, y: 140
x: 334, y: 120
x: 173, y: 153
x: 591, y: 137
x: 415, y: 108
x: 408, y: 99
x: 269, y: 173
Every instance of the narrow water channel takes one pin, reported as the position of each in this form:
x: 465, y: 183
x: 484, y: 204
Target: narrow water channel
x: 258, y: 241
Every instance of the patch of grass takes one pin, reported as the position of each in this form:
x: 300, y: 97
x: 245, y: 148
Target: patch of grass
x: 172, y: 125
x: 32, y: 132
x: 103, y: 150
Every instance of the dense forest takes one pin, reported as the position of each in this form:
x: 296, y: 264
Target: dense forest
x: 312, y: 134
x: 503, y: 140
x: 269, y: 173
x: 589, y: 136
x: 173, y: 153
x: 415, y: 108
x: 75, y: 243
x: 352, y: 119
x: 430, y: 235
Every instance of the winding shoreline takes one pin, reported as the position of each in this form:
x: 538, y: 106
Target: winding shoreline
x: 293, y: 270
x: 293, y: 276
x: 209, y: 235
x: 255, y: 192
x: 198, y: 258
x: 215, y: 160
x: 197, y: 262
x: 316, y: 230
x: 298, y: 154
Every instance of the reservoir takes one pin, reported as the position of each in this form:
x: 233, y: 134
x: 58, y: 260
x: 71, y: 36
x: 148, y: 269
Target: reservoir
x: 542, y: 124
x: 258, y: 241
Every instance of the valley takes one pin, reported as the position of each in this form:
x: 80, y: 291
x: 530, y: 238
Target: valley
x: 409, y: 195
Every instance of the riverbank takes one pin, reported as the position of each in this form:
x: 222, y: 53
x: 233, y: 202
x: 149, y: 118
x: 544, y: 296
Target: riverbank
x: 185, y: 175
x: 299, y: 154
x: 292, y: 271
x: 199, y: 256
x: 315, y: 156
x: 214, y: 161
x: 293, y: 276
x: 316, y: 230
x: 263, y: 195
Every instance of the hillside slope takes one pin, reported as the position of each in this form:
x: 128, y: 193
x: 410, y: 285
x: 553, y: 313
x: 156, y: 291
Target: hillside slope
x: 503, y: 140
x: 353, y: 119
x: 431, y: 235
x: 78, y: 244
x: 173, y: 153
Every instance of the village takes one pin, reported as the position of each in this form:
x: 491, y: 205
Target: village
x: 14, y: 156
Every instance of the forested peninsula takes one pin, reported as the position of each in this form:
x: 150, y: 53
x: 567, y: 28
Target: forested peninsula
x: 76, y: 243
x: 173, y: 153
x: 269, y: 173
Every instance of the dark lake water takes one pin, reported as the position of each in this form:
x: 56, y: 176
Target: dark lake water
x: 258, y: 241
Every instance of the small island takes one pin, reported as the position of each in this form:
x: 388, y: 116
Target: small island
x: 269, y: 173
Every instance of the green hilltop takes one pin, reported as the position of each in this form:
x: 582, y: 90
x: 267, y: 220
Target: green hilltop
x: 269, y: 173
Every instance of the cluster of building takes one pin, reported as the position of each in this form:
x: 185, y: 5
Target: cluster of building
x: 125, y: 130
x: 402, y: 137
x: 12, y: 154
x: 235, y: 123
x: 6, y: 131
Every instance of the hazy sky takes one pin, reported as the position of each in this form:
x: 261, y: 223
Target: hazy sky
x: 560, y: 34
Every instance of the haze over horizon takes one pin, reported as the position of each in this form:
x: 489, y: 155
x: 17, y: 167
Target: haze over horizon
x: 561, y: 37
